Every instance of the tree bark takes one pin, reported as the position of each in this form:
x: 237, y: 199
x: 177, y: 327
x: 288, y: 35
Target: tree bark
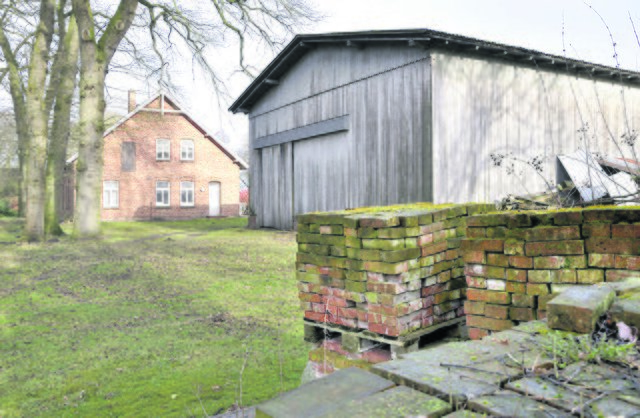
x: 36, y: 151
x: 60, y: 130
x: 94, y: 61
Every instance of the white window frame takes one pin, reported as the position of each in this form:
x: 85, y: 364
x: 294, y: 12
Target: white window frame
x: 166, y: 189
x: 111, y: 194
x: 187, y: 146
x: 163, y: 146
x: 187, y: 186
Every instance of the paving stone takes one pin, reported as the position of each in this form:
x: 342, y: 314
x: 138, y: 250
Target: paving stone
x: 630, y: 285
x: 597, y: 376
x: 398, y: 402
x: 612, y: 407
x: 513, y: 405
x: 578, y: 308
x: 325, y: 395
x: 465, y: 414
x: 627, y: 311
x: 554, y: 395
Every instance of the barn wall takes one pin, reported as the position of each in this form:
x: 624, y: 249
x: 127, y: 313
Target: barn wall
x: 482, y: 107
x: 378, y: 160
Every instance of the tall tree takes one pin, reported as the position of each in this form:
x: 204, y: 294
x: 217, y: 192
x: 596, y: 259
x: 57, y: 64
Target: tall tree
x: 95, y: 56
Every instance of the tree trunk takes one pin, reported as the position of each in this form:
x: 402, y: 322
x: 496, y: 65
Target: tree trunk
x: 60, y: 130
x: 94, y: 60
x: 36, y: 152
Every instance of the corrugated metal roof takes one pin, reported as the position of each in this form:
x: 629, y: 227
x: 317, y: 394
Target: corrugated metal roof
x: 430, y: 39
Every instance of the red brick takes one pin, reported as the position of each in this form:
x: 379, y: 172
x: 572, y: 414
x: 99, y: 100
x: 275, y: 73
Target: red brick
x: 433, y: 289
x: 343, y: 303
x: 474, y: 308
x: 434, y: 248
x: 596, y: 230
x: 521, y: 314
x: 310, y: 297
x: 520, y: 261
x: 625, y: 231
x: 488, y: 245
x: 476, y: 233
x: 476, y: 282
x: 537, y: 289
x: 496, y: 311
x: 553, y: 233
x: 517, y: 275
x: 516, y: 287
x: 618, y: 275
x: 602, y: 260
x: 613, y: 246
x: 554, y: 248
x: 500, y: 298
x: 488, y: 323
x: 499, y: 260
x: 627, y: 262
x: 474, y: 257
x: 477, y: 333
x: 567, y: 218
x: 349, y: 313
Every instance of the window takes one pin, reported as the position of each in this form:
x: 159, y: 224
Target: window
x: 110, y: 194
x: 163, y: 149
x: 186, y: 193
x: 128, y: 156
x: 186, y: 150
x: 162, y: 193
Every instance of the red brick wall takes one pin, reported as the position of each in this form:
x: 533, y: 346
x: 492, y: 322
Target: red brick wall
x: 137, y: 188
x: 515, y: 262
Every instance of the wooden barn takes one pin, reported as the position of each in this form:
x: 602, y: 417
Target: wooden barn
x: 344, y: 120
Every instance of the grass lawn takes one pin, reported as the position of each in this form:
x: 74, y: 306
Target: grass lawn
x: 154, y: 319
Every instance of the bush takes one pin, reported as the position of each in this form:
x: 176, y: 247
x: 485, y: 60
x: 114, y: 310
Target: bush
x: 5, y: 208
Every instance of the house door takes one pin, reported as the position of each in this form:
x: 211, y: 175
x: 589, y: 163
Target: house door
x: 214, y: 198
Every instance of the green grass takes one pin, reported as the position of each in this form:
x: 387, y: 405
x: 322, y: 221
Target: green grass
x: 154, y: 319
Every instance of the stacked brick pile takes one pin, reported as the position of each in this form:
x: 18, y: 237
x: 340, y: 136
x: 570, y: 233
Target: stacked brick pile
x: 515, y: 262
x: 390, y: 273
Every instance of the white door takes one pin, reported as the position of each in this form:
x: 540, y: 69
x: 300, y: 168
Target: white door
x: 214, y: 199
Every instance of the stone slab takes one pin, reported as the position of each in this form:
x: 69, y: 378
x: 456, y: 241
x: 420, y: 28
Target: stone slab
x: 627, y: 311
x: 514, y: 405
x: 578, y: 308
x: 627, y: 286
x: 465, y: 414
x: 322, y: 396
x: 612, y: 407
x: 550, y: 393
x: 398, y: 402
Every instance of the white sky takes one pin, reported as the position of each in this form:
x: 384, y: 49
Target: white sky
x: 535, y: 24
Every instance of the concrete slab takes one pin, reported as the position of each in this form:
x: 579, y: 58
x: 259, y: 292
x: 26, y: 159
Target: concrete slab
x: 627, y: 311
x: 514, y: 405
x: 578, y: 308
x: 323, y: 396
x: 612, y: 407
x: 398, y: 402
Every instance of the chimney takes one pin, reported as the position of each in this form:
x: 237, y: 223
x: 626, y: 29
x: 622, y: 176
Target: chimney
x: 132, y: 100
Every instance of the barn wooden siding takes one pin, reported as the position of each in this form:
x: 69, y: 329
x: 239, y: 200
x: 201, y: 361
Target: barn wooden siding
x: 482, y: 107
x: 382, y: 157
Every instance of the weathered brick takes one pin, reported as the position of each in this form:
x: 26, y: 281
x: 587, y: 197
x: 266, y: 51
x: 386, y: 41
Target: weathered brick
x: 537, y: 289
x: 498, y: 298
x: 353, y: 242
x: 533, y: 249
x: 314, y: 249
x: 596, y: 230
x: 578, y: 308
x: 520, y: 261
x: 523, y: 301
x: 434, y: 248
x: 379, y: 222
x: 392, y: 233
x: 431, y: 228
x: 521, y: 314
x: 488, y: 245
x: 514, y: 247
x: 386, y: 268
x: 474, y: 308
x: 567, y: 218
x: 627, y: 262
x: 590, y: 276
x: 474, y: 257
x: 542, y: 300
x: 516, y: 287
x: 477, y: 333
x: 625, y: 231
x: 517, y: 275
x: 331, y: 229
x: 518, y: 220
x: 399, y: 255
x: 352, y: 286
x: 539, y: 276
x: 618, y: 275
x: 496, y: 284
x: 499, y: 260
x: 559, y: 262
x: 496, y: 311
x: 411, y: 242
x: 488, y: 323
x: 563, y: 276
x: 383, y: 244
x: 613, y: 246
x: 476, y: 232
x: 487, y: 220
x: 553, y: 233
x: 485, y: 271
x: 602, y: 260
x: 476, y: 282
x: 310, y: 297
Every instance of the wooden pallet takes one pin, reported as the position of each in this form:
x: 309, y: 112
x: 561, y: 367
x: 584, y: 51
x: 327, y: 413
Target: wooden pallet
x: 357, y: 341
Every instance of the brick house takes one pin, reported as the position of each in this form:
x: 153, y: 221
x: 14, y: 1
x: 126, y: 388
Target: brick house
x: 160, y: 164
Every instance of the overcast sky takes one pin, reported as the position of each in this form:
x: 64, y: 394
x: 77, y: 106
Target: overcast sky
x: 533, y: 24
